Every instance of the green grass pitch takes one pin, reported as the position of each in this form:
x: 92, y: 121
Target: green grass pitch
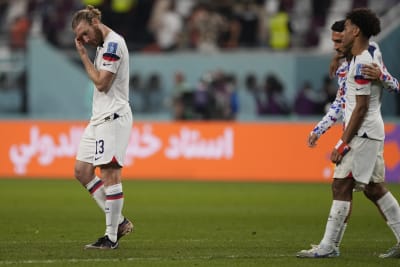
x: 47, y: 223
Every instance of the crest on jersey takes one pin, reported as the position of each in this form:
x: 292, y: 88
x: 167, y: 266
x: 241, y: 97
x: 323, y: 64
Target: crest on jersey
x: 111, y: 53
x: 359, y: 77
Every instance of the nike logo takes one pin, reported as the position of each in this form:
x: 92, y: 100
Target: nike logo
x: 107, y: 64
x: 97, y: 158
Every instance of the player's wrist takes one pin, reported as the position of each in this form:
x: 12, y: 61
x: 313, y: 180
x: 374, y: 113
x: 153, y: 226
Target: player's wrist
x: 381, y: 76
x: 342, y: 147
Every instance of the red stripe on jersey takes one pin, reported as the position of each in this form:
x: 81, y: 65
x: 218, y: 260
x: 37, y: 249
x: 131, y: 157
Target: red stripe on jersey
x: 361, y: 80
x: 110, y: 57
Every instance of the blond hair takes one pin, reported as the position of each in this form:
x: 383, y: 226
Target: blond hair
x: 87, y: 14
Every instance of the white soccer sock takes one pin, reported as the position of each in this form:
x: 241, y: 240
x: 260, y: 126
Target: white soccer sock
x: 390, y: 208
x: 337, y: 215
x: 96, y: 189
x: 340, y: 235
x: 113, y: 208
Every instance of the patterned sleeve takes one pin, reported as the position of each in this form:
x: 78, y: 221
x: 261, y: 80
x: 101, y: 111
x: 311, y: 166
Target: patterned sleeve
x: 334, y: 114
x: 388, y: 81
x: 336, y: 109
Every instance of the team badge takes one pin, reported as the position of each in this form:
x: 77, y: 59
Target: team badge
x: 111, y: 53
x: 359, y: 77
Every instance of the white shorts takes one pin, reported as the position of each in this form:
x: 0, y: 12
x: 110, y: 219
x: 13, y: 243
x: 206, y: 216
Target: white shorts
x: 106, y: 142
x: 364, y: 161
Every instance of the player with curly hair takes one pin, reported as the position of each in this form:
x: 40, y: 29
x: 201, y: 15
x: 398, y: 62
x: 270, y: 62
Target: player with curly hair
x: 359, y: 153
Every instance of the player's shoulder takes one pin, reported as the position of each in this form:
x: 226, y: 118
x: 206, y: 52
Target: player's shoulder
x: 113, y: 37
x: 364, y: 58
x: 114, y: 43
x: 374, y: 45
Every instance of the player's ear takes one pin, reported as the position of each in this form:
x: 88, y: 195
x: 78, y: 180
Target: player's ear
x: 356, y: 30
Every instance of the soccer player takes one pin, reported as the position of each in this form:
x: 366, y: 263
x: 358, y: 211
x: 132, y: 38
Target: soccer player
x: 335, y: 112
x: 105, y: 139
x: 359, y: 153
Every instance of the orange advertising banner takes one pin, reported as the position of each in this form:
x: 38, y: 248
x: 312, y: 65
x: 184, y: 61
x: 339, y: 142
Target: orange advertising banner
x: 187, y: 150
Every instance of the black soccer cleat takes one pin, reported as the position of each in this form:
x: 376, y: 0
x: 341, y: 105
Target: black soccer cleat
x: 103, y: 243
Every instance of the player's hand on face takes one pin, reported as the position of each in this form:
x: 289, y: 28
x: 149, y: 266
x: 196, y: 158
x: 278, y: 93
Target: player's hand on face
x: 371, y: 71
x: 80, y: 47
x: 312, y: 140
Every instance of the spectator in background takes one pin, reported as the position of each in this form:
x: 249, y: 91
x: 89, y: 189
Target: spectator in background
x: 219, y: 91
x: 280, y: 29
x: 273, y: 101
x: 319, y: 13
x: 135, y: 91
x: 328, y: 93
x: 55, y: 15
x: 167, y: 25
x: 249, y: 17
x: 3, y: 12
x: 203, y: 100
x: 204, y: 28
x: 307, y: 101
x: 234, y: 103
x: 182, y: 98
x: 139, y: 35
x: 251, y: 83
x: 19, y: 32
x: 153, y: 93
x: 228, y: 37
x: 252, y: 88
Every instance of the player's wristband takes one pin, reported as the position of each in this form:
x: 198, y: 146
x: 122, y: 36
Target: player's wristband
x: 342, y: 147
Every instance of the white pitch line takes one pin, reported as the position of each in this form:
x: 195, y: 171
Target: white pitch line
x: 56, y: 261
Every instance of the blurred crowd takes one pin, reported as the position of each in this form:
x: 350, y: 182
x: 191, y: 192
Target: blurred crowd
x: 169, y: 25
x: 163, y: 26
x: 218, y: 95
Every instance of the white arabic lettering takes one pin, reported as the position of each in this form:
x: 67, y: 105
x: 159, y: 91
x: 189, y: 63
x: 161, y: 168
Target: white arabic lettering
x: 142, y: 145
x: 45, y: 148
x: 189, y: 144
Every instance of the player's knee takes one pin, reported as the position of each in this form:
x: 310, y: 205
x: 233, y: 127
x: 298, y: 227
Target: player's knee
x: 78, y: 173
x: 375, y: 191
x: 84, y: 173
x: 342, y: 189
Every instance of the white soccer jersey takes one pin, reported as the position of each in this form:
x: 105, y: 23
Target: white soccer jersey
x: 113, y: 56
x: 372, y: 125
x: 336, y: 110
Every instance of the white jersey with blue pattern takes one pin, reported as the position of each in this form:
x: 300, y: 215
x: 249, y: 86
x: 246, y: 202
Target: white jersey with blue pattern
x: 336, y: 110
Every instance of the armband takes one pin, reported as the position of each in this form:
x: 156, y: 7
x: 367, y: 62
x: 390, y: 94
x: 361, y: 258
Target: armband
x: 342, y: 147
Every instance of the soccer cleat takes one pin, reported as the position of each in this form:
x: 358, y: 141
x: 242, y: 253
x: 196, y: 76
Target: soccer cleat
x: 393, y: 252
x: 124, y: 228
x: 317, y: 252
x: 336, y: 250
x: 103, y: 243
